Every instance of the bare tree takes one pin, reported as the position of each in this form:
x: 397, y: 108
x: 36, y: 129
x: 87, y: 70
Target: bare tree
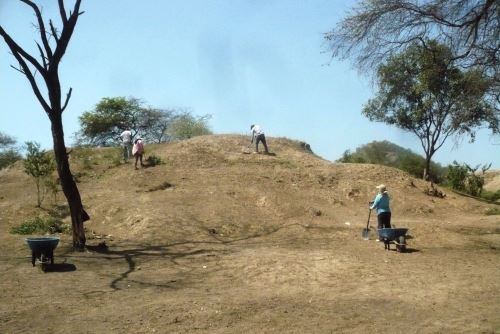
x: 51, y: 50
x: 376, y: 29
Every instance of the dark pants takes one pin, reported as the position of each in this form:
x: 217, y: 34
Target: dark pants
x: 261, y: 138
x: 384, y: 220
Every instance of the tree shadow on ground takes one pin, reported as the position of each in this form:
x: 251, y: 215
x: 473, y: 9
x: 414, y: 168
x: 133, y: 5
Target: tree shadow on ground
x: 134, y: 252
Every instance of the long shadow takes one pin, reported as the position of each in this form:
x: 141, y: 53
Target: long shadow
x: 59, y: 268
x: 130, y: 255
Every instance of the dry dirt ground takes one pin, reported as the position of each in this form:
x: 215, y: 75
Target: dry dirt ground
x: 217, y: 241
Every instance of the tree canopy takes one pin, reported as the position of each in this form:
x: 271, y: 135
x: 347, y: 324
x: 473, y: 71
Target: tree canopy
x: 6, y: 140
x: 422, y: 91
x: 375, y: 30
x: 112, y: 115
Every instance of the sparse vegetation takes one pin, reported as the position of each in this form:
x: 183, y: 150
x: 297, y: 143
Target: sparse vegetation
x: 491, y: 195
x: 154, y: 160
x: 463, y: 177
x: 186, y: 126
x: 389, y: 154
x: 85, y: 155
x: 492, y: 211
x: 39, y: 165
x: 40, y: 225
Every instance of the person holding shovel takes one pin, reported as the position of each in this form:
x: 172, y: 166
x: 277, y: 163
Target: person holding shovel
x: 258, y: 135
x: 138, y: 151
x: 381, y: 204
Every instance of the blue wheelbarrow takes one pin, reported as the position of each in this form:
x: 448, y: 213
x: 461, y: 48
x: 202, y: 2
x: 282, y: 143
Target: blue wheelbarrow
x: 395, y: 236
x: 42, y: 249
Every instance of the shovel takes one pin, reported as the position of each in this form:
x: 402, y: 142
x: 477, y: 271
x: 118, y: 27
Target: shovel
x: 366, y: 231
x: 246, y: 150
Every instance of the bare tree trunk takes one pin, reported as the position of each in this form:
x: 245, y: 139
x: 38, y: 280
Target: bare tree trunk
x: 78, y: 214
x: 48, y: 67
x: 427, y: 169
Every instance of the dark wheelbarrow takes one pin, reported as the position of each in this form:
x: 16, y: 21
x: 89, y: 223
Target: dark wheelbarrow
x: 42, y: 249
x: 395, y: 236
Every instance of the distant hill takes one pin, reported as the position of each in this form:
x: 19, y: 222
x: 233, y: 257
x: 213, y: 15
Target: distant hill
x: 392, y: 155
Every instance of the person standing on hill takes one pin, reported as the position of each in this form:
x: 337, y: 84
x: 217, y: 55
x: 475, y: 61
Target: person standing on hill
x: 138, y: 151
x: 381, y: 204
x: 126, y: 137
x: 258, y: 135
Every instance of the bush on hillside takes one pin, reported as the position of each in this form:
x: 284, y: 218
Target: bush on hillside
x: 492, y: 196
x: 40, y: 225
x: 39, y: 165
x: 153, y: 160
x: 463, y: 177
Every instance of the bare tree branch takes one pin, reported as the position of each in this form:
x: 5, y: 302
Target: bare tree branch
x: 54, y: 31
x: 41, y: 26
x: 42, y: 55
x: 62, y: 11
x: 16, y: 49
x: 68, y: 96
x: 66, y: 33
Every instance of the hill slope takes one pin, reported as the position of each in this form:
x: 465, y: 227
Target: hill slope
x: 222, y: 241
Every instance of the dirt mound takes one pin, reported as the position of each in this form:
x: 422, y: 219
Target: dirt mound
x: 492, y: 180
x: 213, y: 238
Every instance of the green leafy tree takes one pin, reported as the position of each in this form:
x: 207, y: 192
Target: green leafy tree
x: 110, y: 117
x: 423, y: 92
x: 39, y: 165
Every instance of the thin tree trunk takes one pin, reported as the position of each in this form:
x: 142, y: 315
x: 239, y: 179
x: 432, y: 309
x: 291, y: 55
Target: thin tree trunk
x: 427, y: 169
x: 70, y: 190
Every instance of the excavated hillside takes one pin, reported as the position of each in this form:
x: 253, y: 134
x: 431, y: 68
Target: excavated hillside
x: 217, y: 239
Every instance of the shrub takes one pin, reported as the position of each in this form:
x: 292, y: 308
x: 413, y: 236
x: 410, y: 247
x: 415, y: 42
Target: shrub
x: 39, y: 165
x: 490, y: 195
x: 465, y: 178
x: 40, y: 225
x: 492, y: 211
x: 153, y: 160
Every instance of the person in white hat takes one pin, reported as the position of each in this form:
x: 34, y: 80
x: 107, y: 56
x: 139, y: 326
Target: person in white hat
x: 138, y: 151
x: 381, y: 204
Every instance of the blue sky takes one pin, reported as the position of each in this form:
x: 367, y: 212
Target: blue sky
x: 243, y: 62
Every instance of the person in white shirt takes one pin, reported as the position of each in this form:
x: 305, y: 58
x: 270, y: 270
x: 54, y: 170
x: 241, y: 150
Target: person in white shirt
x: 258, y: 135
x: 126, y: 137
